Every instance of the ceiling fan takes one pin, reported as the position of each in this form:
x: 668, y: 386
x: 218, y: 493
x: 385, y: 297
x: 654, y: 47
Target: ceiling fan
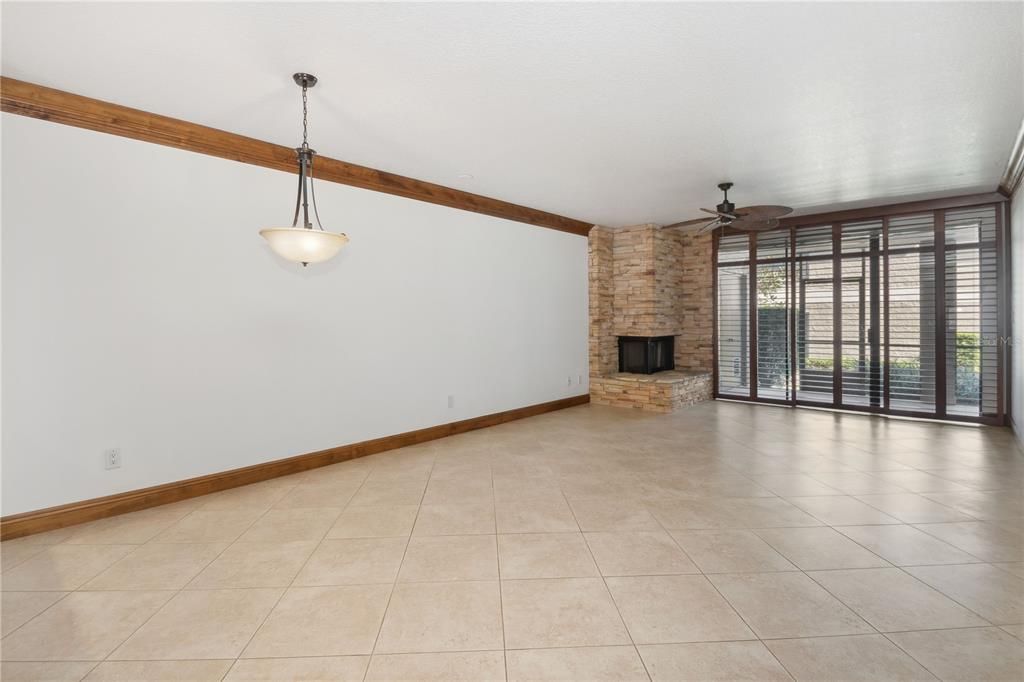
x: 750, y: 218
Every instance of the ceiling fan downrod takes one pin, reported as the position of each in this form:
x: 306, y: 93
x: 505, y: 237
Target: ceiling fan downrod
x: 726, y: 206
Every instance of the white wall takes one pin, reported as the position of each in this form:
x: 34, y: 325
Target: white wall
x: 1016, y: 349
x: 141, y: 310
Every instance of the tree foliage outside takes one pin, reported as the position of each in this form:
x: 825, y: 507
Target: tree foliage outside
x: 771, y: 284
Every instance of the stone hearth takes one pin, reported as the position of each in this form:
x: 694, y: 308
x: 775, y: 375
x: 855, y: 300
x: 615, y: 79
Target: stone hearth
x: 660, y: 392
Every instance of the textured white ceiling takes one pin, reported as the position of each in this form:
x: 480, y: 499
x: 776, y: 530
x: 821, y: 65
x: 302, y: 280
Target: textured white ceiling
x: 614, y: 113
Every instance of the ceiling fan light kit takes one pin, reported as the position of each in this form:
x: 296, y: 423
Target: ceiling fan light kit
x: 748, y: 218
x: 306, y: 244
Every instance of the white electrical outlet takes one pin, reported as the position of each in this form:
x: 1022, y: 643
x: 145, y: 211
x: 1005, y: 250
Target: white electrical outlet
x: 451, y: 401
x: 112, y: 458
x: 579, y: 379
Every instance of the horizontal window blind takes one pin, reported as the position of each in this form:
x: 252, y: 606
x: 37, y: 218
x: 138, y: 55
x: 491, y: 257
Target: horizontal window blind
x: 972, y: 313
x: 774, y: 374
x: 912, y: 311
x: 733, y: 314
x: 896, y: 313
x: 814, y: 315
x: 861, y: 324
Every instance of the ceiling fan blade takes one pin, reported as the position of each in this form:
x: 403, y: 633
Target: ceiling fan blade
x: 762, y: 212
x: 686, y: 223
x: 710, y: 227
x: 754, y: 225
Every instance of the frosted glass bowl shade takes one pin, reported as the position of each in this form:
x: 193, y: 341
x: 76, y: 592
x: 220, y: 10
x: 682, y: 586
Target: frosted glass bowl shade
x: 303, y: 245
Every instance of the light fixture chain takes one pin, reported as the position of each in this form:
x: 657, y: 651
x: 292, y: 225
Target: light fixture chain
x: 305, y: 123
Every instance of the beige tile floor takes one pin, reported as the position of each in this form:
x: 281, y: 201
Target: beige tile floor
x: 725, y: 542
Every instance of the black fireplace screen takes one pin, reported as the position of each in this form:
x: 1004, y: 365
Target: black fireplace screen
x: 646, y: 354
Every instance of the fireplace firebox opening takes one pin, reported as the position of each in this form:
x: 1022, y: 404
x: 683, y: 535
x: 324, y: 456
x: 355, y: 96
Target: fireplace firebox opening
x: 646, y: 354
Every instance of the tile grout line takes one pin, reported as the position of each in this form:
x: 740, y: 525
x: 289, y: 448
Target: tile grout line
x: 723, y: 597
x: 284, y: 591
x: 501, y: 590
x: 66, y: 595
x: 549, y: 648
x: 871, y: 625
x: 105, y: 569
x: 604, y: 582
x: 89, y: 579
x: 923, y: 497
x: 920, y: 663
x: 180, y: 590
x: 838, y: 529
x: 936, y: 537
x: 891, y: 565
x: 398, y: 569
x: 836, y: 597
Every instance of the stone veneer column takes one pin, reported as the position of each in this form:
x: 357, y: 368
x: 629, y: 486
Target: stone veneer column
x: 633, y: 280
x: 602, y: 342
x: 694, y: 347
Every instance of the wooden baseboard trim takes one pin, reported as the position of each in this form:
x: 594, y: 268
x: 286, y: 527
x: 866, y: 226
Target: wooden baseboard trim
x: 28, y: 523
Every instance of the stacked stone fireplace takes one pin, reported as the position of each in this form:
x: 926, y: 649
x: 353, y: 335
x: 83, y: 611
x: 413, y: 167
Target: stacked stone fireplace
x: 649, y: 283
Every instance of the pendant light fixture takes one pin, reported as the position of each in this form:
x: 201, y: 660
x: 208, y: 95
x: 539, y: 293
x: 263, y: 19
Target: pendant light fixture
x: 306, y: 244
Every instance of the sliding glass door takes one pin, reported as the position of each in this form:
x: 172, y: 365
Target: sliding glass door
x: 972, y: 312
x: 733, y: 315
x: 892, y: 314
x: 861, y: 323
x: 814, y: 318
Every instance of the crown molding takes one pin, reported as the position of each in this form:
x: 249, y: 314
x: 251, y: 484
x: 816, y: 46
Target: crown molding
x: 1011, y: 180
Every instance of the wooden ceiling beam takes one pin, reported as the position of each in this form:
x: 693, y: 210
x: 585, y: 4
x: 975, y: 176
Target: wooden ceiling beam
x: 48, y: 104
